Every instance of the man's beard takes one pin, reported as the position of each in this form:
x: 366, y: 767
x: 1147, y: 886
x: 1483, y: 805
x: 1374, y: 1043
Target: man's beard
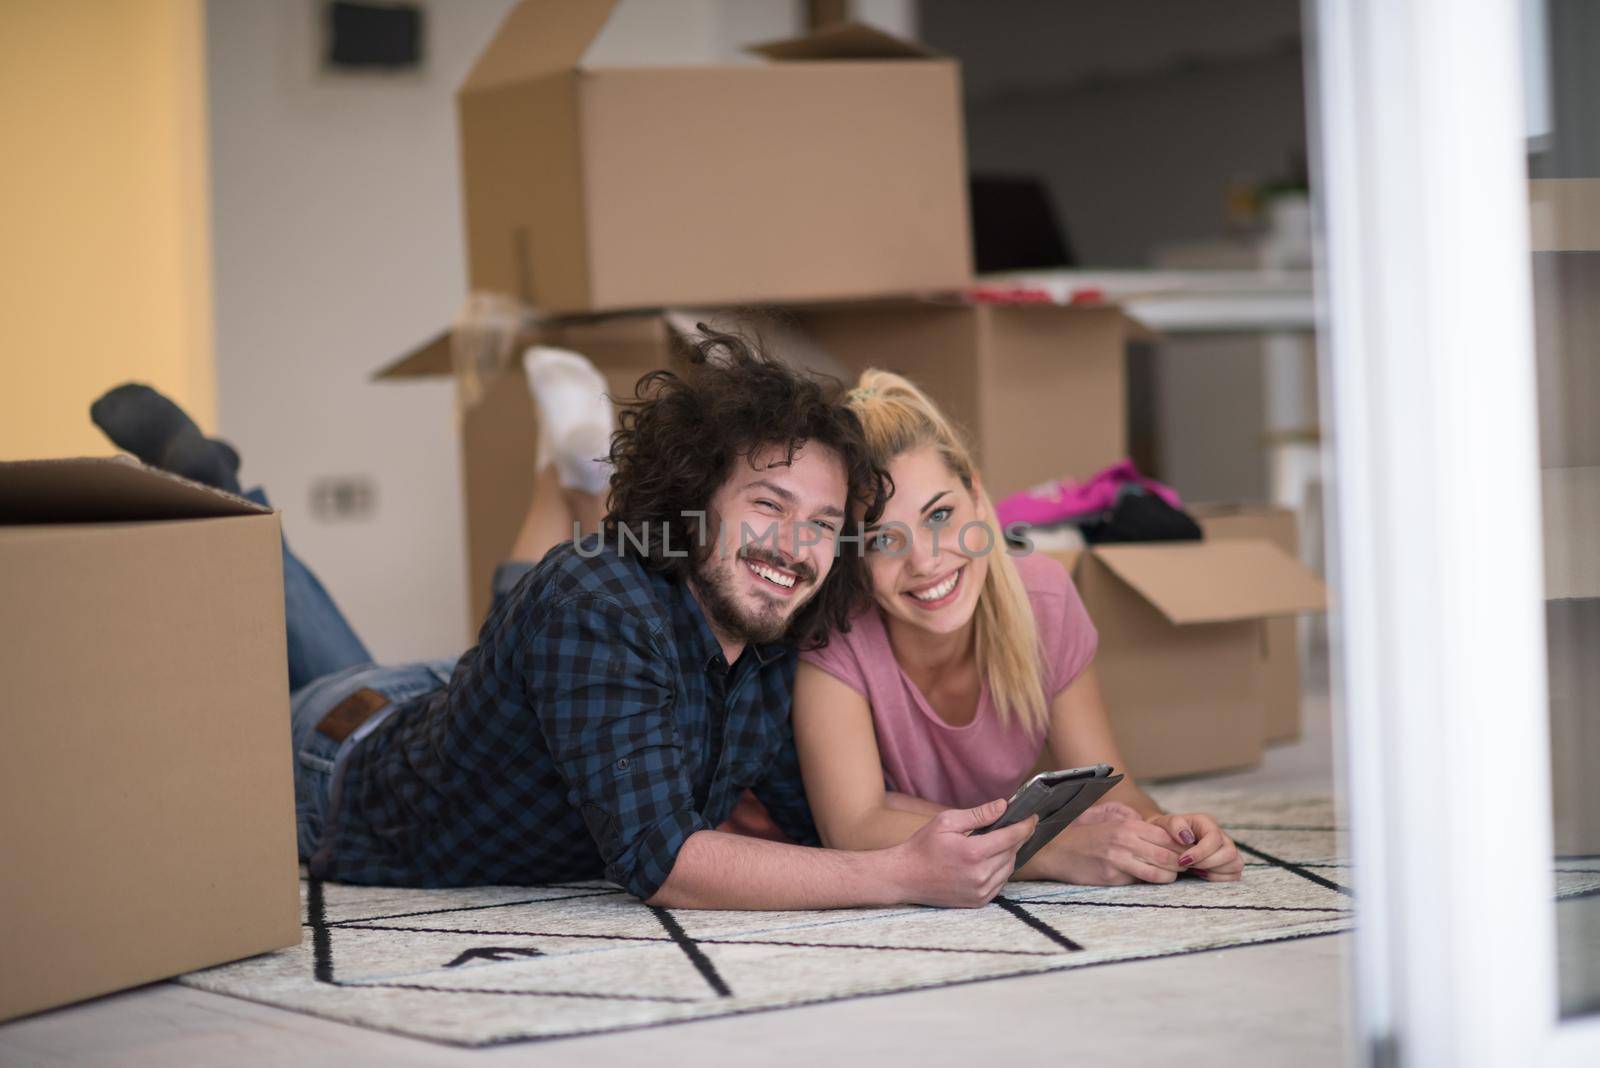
x: 714, y: 582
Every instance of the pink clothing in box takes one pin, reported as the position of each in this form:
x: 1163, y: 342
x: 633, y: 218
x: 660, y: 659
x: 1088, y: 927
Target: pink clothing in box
x: 922, y: 754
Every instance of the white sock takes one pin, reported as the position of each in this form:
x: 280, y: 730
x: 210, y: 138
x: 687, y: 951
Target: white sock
x: 574, y: 417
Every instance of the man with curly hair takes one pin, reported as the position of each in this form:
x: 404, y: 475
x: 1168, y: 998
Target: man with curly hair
x: 627, y: 688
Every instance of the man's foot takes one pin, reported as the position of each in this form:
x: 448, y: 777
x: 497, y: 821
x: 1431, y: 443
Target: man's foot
x: 575, y: 417
x: 139, y: 420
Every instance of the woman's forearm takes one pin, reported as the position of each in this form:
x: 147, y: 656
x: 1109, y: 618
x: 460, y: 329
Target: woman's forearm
x: 908, y: 803
x: 898, y: 818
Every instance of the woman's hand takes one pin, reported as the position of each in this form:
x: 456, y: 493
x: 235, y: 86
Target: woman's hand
x: 1207, y: 852
x: 1109, y: 845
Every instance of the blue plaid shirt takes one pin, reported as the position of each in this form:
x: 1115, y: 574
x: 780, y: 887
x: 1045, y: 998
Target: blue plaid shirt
x: 594, y: 728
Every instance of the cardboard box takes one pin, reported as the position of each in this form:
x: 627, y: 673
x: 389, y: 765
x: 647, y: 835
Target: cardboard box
x: 1041, y: 389
x: 1280, y: 637
x: 499, y: 425
x: 1572, y: 632
x: 145, y: 776
x: 836, y: 170
x: 1180, y: 637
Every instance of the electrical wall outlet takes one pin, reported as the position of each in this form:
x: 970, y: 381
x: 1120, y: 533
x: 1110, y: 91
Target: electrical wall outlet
x: 339, y: 498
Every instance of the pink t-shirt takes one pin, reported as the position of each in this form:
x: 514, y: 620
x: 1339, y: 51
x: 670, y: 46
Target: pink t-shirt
x: 922, y: 754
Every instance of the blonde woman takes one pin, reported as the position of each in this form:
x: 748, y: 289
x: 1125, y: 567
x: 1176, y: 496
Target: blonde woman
x: 972, y: 667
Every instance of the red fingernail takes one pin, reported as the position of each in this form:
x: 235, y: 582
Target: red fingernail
x: 1187, y: 837
x: 1184, y: 862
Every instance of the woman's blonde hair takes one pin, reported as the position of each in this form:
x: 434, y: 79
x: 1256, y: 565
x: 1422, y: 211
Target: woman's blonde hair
x: 897, y: 417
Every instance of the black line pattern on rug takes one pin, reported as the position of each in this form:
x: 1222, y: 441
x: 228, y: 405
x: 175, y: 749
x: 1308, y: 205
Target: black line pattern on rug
x: 322, y: 929
x: 696, y: 956
x: 324, y: 963
x: 881, y: 949
x: 496, y: 954
x: 322, y: 959
x: 1037, y: 924
x: 584, y: 994
x: 510, y: 934
x: 1297, y: 869
x: 1218, y: 908
x: 321, y: 941
x: 739, y: 941
x: 472, y: 908
x: 532, y: 1038
x: 1303, y: 864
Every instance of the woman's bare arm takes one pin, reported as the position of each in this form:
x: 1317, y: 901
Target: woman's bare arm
x: 1102, y: 848
x: 1080, y: 734
x: 843, y: 770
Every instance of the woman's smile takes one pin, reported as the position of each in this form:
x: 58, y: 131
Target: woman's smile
x: 939, y: 592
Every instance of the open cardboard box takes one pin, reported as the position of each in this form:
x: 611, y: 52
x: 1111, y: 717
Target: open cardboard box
x: 145, y: 774
x: 1181, y: 628
x: 1040, y: 389
x: 835, y: 170
x: 1280, y: 638
x: 499, y: 424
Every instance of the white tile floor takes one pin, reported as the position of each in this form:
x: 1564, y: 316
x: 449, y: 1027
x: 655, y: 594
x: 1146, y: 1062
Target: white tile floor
x: 1258, y: 1005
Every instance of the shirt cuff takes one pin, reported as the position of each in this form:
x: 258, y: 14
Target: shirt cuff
x: 643, y: 867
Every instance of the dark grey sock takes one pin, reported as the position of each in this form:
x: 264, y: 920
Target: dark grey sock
x: 202, y: 460
x: 139, y: 420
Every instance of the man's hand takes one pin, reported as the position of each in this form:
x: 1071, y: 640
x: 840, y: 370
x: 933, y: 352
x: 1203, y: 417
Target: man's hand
x: 944, y: 864
x: 1109, y: 845
x: 1206, y: 851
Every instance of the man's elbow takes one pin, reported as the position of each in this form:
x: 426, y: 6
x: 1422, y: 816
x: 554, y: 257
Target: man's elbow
x: 664, y: 898
x: 674, y: 893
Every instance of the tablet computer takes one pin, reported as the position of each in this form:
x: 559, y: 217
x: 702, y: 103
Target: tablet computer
x: 1057, y: 798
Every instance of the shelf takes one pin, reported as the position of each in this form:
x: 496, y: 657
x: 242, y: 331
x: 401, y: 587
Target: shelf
x: 1181, y: 302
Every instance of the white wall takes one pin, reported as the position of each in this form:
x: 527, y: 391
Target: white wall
x: 337, y: 246
x: 336, y: 210
x: 691, y: 31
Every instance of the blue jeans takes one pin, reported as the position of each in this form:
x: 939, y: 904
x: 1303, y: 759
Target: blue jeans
x: 328, y: 663
x: 319, y: 760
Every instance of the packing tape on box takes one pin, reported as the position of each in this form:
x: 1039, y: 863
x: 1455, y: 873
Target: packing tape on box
x: 487, y: 336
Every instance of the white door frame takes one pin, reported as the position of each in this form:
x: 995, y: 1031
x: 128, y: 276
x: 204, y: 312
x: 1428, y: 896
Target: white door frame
x: 1435, y: 542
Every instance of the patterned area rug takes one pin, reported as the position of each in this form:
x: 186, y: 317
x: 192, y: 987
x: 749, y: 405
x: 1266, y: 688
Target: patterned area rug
x: 505, y: 964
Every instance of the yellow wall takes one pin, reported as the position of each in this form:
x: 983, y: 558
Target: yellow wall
x: 104, y: 215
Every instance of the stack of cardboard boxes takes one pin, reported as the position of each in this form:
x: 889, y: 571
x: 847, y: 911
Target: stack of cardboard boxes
x: 625, y: 204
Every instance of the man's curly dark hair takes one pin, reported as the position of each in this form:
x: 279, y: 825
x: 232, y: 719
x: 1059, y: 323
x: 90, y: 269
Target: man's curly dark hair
x: 680, y: 434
